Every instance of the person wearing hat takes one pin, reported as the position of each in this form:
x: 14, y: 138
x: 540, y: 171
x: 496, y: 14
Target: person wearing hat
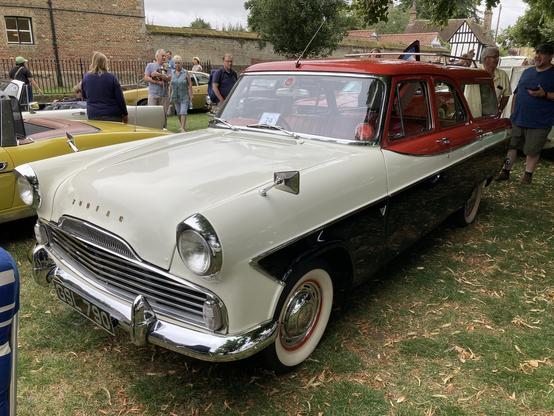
x: 532, y: 113
x: 196, y: 64
x: 21, y: 73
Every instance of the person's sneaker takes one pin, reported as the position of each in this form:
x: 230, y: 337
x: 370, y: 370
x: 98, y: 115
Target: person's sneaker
x: 504, y: 175
x: 526, y: 179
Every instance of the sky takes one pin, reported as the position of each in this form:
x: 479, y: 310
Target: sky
x: 223, y: 13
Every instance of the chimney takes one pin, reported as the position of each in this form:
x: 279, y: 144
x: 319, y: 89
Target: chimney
x: 487, y: 20
x: 413, y: 14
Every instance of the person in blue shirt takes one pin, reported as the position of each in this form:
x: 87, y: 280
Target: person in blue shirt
x: 224, y: 79
x: 532, y: 113
x: 102, y: 92
x: 9, y: 305
x: 181, y: 91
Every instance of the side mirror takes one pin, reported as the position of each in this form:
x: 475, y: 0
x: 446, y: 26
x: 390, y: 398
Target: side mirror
x: 288, y: 181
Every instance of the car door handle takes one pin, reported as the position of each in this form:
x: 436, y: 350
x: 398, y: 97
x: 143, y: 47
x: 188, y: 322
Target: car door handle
x: 3, y: 166
x: 443, y: 140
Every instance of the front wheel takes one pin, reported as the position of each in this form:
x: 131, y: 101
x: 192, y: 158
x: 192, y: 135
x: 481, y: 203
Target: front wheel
x: 305, y: 307
x: 466, y: 215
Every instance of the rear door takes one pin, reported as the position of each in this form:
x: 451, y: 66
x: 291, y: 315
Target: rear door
x: 417, y: 156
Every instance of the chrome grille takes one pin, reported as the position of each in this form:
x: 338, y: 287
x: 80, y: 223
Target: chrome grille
x: 128, y: 278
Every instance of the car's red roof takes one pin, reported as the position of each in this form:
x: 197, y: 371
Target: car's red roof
x: 369, y: 66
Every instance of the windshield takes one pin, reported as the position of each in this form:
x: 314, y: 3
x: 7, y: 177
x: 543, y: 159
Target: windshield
x: 10, y: 88
x: 321, y: 105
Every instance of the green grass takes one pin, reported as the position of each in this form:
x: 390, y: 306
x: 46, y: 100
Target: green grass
x: 461, y: 324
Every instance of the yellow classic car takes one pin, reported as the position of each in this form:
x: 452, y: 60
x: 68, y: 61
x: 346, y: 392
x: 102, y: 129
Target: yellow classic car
x: 23, y: 141
x: 138, y: 94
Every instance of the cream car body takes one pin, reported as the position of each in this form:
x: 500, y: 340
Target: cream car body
x: 226, y: 241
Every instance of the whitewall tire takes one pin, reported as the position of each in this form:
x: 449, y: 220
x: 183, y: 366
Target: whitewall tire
x: 466, y: 215
x: 305, y: 308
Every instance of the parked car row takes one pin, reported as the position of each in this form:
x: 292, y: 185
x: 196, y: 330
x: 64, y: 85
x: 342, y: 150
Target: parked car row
x: 236, y: 239
x: 138, y: 94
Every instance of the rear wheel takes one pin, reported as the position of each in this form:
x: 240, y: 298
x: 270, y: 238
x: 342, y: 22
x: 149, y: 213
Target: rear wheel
x: 305, y: 307
x: 466, y: 215
x: 142, y: 102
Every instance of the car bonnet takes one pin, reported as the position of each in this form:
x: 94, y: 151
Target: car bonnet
x: 142, y: 194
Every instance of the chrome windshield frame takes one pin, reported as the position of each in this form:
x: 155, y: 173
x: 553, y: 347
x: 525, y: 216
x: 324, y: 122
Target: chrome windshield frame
x: 380, y: 121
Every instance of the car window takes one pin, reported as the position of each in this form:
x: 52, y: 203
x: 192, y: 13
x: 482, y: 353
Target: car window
x: 411, y: 112
x: 331, y: 106
x: 449, y: 105
x: 201, y: 79
x: 481, y: 99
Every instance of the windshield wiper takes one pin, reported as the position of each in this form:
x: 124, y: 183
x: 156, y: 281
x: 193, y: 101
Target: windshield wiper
x: 224, y: 122
x: 273, y: 127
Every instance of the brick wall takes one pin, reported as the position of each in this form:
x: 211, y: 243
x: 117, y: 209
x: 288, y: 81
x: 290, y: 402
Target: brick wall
x: 211, y: 45
x: 114, y: 27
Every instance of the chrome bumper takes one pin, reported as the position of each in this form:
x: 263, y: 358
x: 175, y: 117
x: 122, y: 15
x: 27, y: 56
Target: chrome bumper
x: 142, y: 324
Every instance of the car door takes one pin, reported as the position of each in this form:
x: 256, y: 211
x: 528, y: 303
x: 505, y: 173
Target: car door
x: 199, y: 90
x: 417, y: 154
x: 7, y: 180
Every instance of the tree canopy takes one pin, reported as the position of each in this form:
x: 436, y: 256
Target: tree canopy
x: 200, y: 23
x: 289, y: 25
x: 438, y: 11
x: 534, y: 27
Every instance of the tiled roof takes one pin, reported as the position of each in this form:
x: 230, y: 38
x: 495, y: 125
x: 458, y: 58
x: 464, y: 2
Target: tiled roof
x: 447, y: 31
x: 425, y: 39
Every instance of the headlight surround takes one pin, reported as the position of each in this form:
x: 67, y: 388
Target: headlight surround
x: 27, y: 186
x: 199, y: 246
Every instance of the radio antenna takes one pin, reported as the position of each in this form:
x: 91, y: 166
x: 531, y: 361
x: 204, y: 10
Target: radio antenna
x: 309, y: 43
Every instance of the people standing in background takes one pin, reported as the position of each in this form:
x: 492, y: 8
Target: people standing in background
x: 181, y: 91
x: 102, y: 92
x: 490, y: 57
x: 169, y: 60
x: 158, y: 79
x: 224, y: 79
x: 196, y: 64
x: 532, y: 115
x: 21, y: 73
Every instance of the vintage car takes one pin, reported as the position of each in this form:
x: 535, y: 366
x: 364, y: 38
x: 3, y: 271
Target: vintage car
x: 236, y: 239
x: 138, y: 94
x: 24, y: 140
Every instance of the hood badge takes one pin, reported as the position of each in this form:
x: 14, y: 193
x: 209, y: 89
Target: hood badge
x: 96, y: 209
x: 288, y: 181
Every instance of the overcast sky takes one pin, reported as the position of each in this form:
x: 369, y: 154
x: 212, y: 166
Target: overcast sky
x: 220, y: 13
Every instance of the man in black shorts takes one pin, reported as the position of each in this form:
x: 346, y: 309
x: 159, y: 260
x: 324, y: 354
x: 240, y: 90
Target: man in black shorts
x: 533, y: 113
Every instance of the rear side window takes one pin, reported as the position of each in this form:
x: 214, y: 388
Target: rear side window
x: 411, y: 114
x: 481, y: 99
x: 449, y: 105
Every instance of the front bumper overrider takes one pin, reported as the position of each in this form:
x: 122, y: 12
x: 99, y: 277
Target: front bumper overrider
x: 141, y: 322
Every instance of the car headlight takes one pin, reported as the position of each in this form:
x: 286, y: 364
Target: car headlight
x: 199, y: 246
x: 27, y: 186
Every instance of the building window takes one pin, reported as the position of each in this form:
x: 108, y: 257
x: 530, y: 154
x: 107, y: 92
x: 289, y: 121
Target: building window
x: 19, y: 30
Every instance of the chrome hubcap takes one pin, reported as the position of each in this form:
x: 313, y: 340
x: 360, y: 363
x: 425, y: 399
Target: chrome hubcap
x: 301, y: 314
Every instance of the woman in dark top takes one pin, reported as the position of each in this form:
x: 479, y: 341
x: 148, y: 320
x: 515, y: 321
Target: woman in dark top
x: 102, y: 92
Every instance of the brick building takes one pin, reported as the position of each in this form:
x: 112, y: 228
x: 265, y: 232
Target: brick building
x: 76, y: 28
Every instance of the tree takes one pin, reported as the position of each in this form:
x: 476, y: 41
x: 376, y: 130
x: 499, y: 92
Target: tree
x: 534, y: 27
x: 438, y: 11
x: 200, y: 23
x: 289, y: 25
x: 397, y: 20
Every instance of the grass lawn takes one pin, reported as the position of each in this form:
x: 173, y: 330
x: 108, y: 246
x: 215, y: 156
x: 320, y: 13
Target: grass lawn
x: 461, y: 324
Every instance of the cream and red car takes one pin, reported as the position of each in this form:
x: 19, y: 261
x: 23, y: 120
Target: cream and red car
x: 228, y: 241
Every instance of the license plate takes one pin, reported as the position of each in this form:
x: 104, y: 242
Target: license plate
x: 84, y: 307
